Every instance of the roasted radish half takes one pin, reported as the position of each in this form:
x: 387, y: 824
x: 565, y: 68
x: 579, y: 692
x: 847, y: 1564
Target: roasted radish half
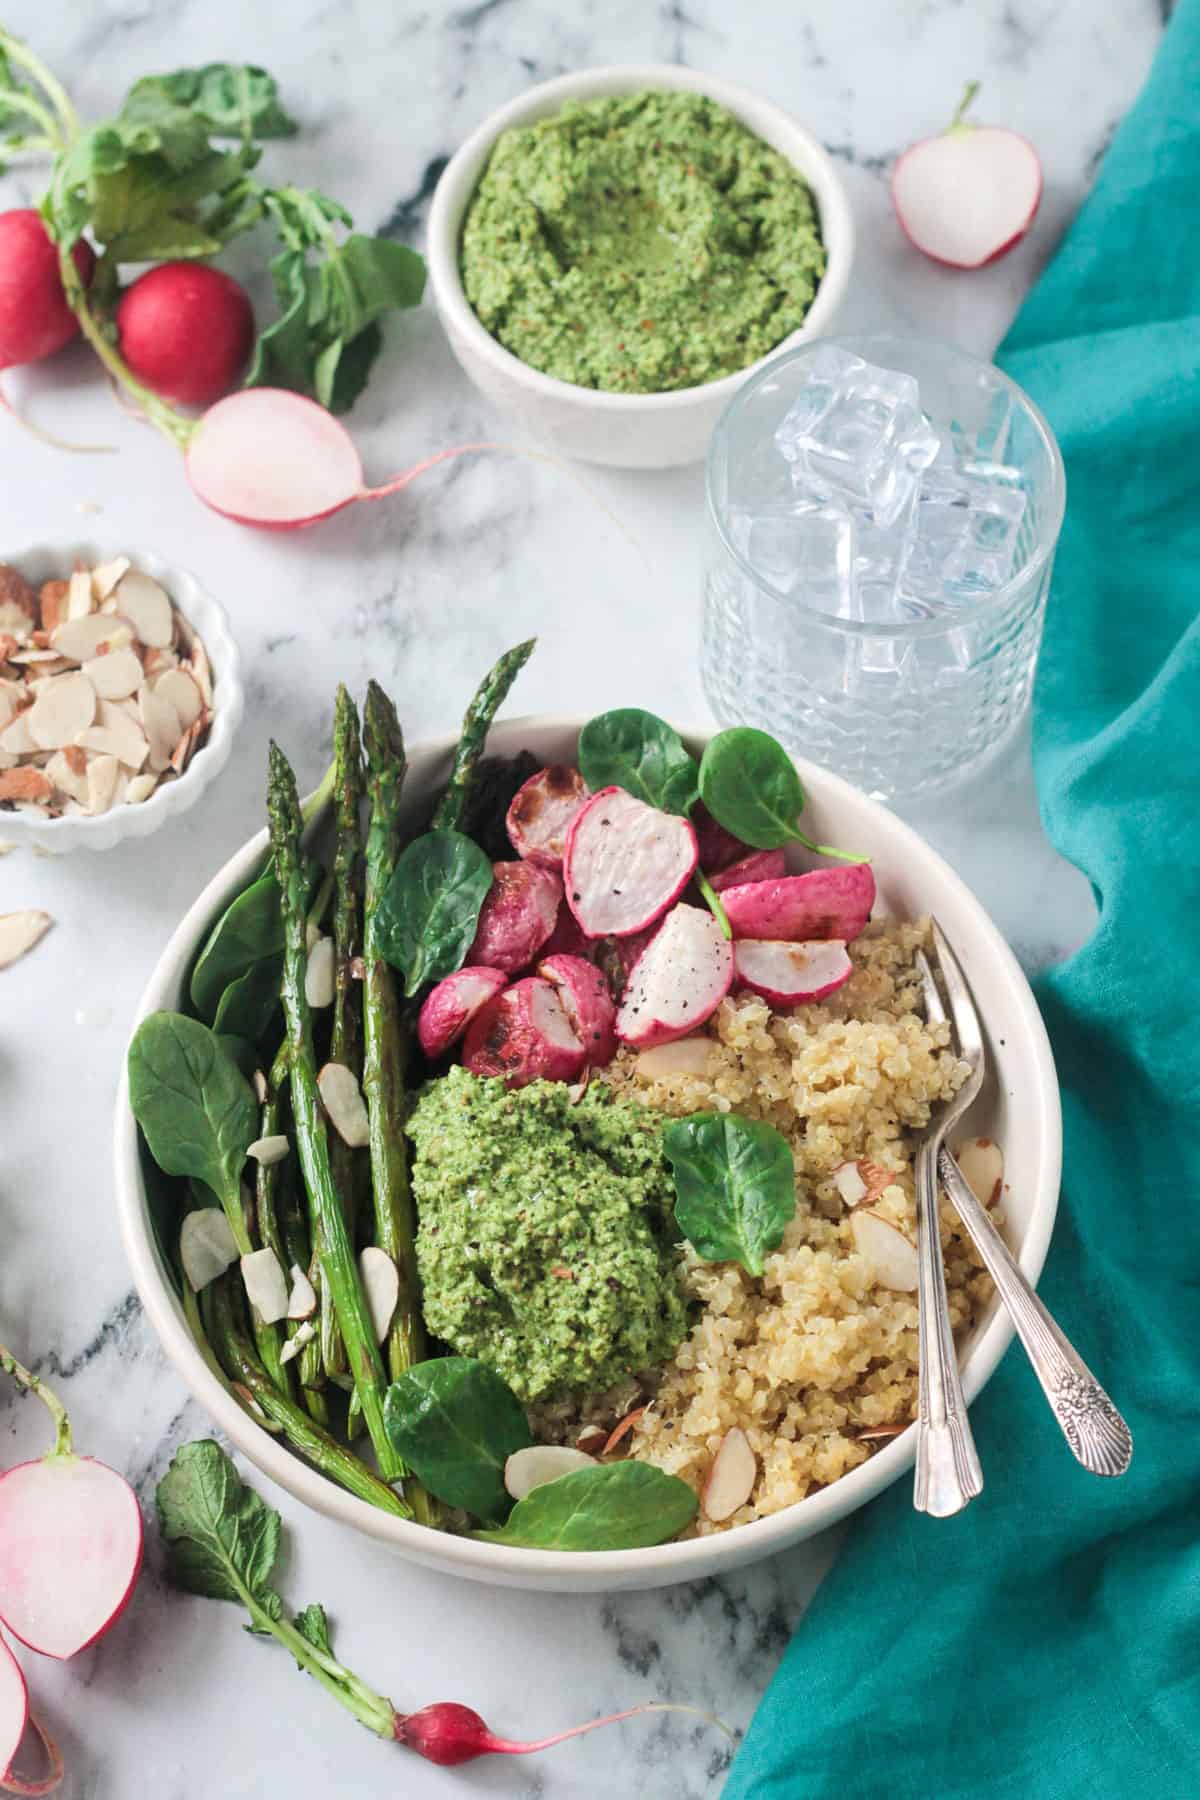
x: 679, y: 980
x: 625, y: 862
x: 826, y: 903
x: 524, y: 1035
x: 517, y: 917
x: 788, y: 974
x: 584, y: 992
x: 760, y: 865
x: 452, y: 1004
x: 541, y: 813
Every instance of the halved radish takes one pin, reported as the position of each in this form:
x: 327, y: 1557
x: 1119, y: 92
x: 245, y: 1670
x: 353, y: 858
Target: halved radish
x: 568, y: 940
x: 625, y: 862
x: 825, y: 903
x: 718, y: 847
x: 969, y: 194
x: 269, y: 457
x: 787, y: 974
x: 14, y: 1708
x: 618, y: 957
x: 70, y: 1551
x: 679, y: 980
x: 584, y: 992
x: 760, y: 865
x: 541, y: 812
x: 517, y: 917
x: 452, y: 1004
x: 524, y: 1035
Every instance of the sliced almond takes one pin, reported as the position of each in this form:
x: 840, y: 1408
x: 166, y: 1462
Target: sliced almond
x: 64, y: 707
x: 982, y: 1163
x: 161, y: 724
x: 344, y: 1104
x: 116, y: 735
x: 114, y: 676
x: 102, y: 777
x: 260, y: 1080
x: 295, y: 1344
x: 890, y: 1256
x: 19, y: 932
x: 105, y: 576
x: 381, y: 1285
x: 66, y: 777
x: 177, y: 686
x: 861, y: 1183
x: 266, y: 1285
x: 82, y: 639
x: 15, y: 738
x: 79, y: 595
x: 539, y: 1463
x: 268, y: 1150
x: 687, y: 1056
x: 14, y: 620
x: 28, y: 659
x: 319, y: 973
x: 140, y: 788
x: 120, y: 793
x: 206, y: 1246
x: 878, y: 1432
x: 731, y: 1479
x: 144, y: 603
x: 620, y: 1430
x: 202, y: 670
x: 157, y: 662
x: 52, y: 603
x: 302, y: 1301
x: 25, y: 784
x: 591, y: 1440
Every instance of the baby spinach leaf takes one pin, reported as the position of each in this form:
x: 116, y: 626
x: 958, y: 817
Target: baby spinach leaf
x: 615, y: 1506
x: 250, y: 1003
x: 735, y: 1186
x: 641, y: 753
x: 243, y: 1053
x: 430, y: 908
x: 456, y: 1423
x: 750, y: 786
x: 194, y: 1105
x: 248, y: 932
x: 222, y: 1539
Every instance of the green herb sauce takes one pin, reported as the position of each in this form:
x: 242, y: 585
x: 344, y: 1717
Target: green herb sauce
x: 640, y: 243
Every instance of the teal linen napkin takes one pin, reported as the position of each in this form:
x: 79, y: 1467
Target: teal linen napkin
x: 1045, y: 1644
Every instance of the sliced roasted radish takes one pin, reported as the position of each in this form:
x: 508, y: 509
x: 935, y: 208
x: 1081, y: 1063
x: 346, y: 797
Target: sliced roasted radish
x: 718, y: 847
x: 982, y: 1164
x: 70, y: 1551
x: 890, y: 1256
x: 825, y: 903
x: 679, y: 980
x: 584, y: 992
x: 541, y: 812
x: 266, y: 1285
x: 381, y: 1284
x: 540, y: 1463
x: 760, y: 865
x: 969, y: 194
x: 449, y: 1007
x: 14, y: 1708
x: 731, y: 1479
x: 206, y: 1246
x: 344, y: 1104
x: 517, y: 916
x: 624, y: 863
x: 787, y: 974
x: 618, y: 957
x: 524, y: 1035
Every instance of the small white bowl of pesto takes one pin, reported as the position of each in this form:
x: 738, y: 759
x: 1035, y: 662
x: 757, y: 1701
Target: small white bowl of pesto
x: 614, y: 252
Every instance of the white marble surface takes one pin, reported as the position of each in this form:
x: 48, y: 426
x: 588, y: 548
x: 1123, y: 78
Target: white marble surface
x: 422, y: 592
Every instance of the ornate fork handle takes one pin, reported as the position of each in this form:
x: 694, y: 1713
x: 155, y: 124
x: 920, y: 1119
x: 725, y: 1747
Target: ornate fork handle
x: 948, y: 1474
x: 1097, y: 1434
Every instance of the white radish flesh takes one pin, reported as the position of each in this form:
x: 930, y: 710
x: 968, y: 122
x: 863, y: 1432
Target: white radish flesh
x: 266, y: 1285
x: 585, y: 994
x: 625, y: 863
x: 14, y: 1708
x: 789, y: 974
x: 269, y: 457
x: 524, y: 1035
x: 731, y: 1479
x: 539, y: 1463
x: 969, y: 194
x: 541, y: 813
x: 679, y: 980
x: 206, y: 1246
x: 449, y: 1007
x: 344, y: 1103
x: 381, y: 1285
x: 890, y: 1256
x: 517, y: 916
x: 70, y: 1551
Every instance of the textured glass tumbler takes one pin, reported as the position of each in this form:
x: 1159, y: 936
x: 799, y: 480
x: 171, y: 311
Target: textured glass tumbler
x: 899, y: 709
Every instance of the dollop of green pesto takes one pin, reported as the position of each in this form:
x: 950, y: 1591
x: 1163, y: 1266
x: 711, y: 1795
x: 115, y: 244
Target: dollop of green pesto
x: 547, y: 1245
x: 640, y: 243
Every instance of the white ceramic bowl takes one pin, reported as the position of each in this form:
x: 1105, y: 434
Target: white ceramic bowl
x: 628, y: 431
x: 1019, y: 1108
x: 45, y: 562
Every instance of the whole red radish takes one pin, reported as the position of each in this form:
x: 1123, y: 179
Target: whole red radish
x: 70, y: 1539
x: 35, y: 319
x: 969, y: 194
x: 186, y: 331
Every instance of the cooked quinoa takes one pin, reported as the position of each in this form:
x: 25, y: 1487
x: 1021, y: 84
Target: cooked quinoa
x: 813, y: 1353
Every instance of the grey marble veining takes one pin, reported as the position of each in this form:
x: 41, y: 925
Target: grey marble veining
x: 422, y: 591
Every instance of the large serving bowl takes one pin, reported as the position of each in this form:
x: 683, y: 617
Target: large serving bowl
x: 1019, y: 1108
x: 629, y: 431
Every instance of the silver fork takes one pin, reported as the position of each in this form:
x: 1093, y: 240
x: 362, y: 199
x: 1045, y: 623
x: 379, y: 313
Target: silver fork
x: 1097, y: 1434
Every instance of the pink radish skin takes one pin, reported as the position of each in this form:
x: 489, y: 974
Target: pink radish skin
x: 584, y: 993
x: 679, y: 980
x: 966, y: 196
x: 760, y: 865
x: 70, y: 1551
x: 618, y: 957
x: 791, y: 974
x: 449, y: 1734
x: 541, y: 812
x: 825, y: 903
x: 567, y: 940
x: 718, y: 847
x: 517, y: 917
x: 14, y: 1708
x: 524, y: 1035
x: 35, y: 320
x: 186, y: 331
x: 452, y: 1004
x: 625, y: 863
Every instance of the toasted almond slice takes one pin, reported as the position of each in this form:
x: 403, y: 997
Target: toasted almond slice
x: 79, y: 595
x: 117, y: 735
x: 344, y: 1104
x: 15, y: 738
x: 875, y: 1432
x: 64, y: 707
x: 621, y: 1430
x: 295, y: 1344
x: 312, y: 934
x: 52, y: 603
x: 145, y: 604
x: 319, y: 973
x: 114, y: 676
x: 686, y: 1056
x: 66, y: 777
x: 81, y: 639
x: 47, y: 669
x: 102, y: 776
x: 105, y: 576
x: 302, y: 1301
x: 19, y: 932
x: 120, y: 793
x: 29, y: 658
x: 15, y: 621
x: 140, y: 788
x: 260, y: 1087
x: 206, y: 1246
x: 177, y: 686
x: 265, y: 1284
x: 25, y: 784
x: 7, y: 761
x: 185, y: 632
x: 381, y: 1284
x: 982, y: 1163
x: 890, y: 1256
x: 161, y: 724
x: 731, y: 1479
x: 8, y: 704
x: 861, y: 1183
x: 539, y: 1463
x: 268, y: 1150
x: 202, y: 670
x: 849, y: 1183
x: 8, y: 646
